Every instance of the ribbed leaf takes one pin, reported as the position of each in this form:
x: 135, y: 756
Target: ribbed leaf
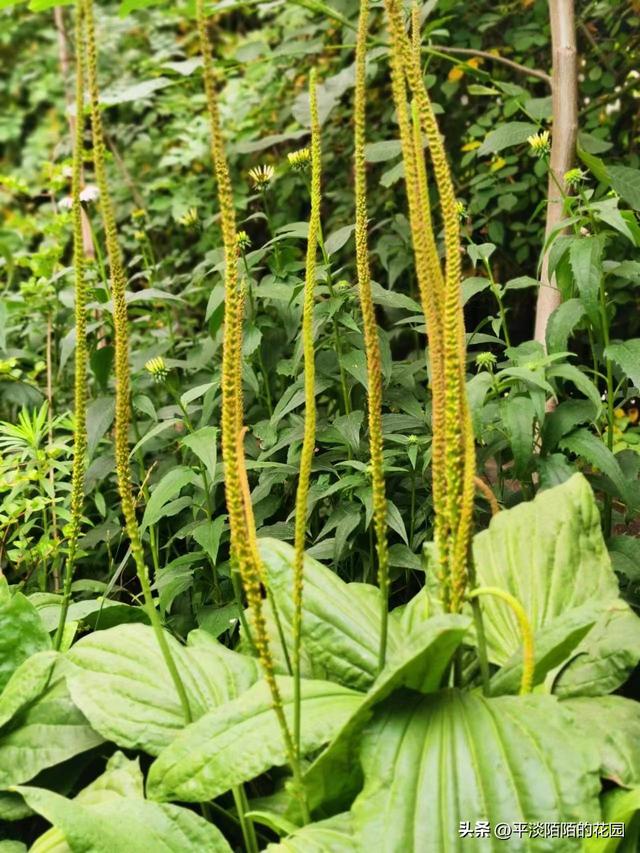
x: 434, y: 762
x: 613, y: 724
x: 121, y: 683
x: 606, y: 656
x: 22, y: 634
x: 419, y: 665
x: 242, y: 739
x: 334, y: 835
x: 340, y: 622
x: 549, y: 553
x: 120, y: 823
x: 565, y: 417
x: 44, y: 732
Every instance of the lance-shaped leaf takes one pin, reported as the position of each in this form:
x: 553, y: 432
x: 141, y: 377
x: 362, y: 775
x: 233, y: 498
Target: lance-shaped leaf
x: 467, y: 759
x: 122, y: 684
x: 242, y: 739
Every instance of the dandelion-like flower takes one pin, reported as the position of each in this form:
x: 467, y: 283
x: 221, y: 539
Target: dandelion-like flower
x: 139, y: 236
x: 243, y: 240
x: 90, y: 193
x: 461, y: 210
x: 540, y: 143
x: 299, y: 160
x: 261, y: 176
x: 157, y: 368
x: 485, y: 359
x: 190, y: 218
x: 574, y: 177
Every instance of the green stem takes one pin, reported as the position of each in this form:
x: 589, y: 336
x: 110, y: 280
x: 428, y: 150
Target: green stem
x: 246, y: 824
x: 608, y: 503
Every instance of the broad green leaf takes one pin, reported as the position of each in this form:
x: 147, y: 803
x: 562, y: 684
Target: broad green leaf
x: 333, y: 835
x: 121, y: 778
x: 28, y: 681
x: 561, y: 324
x: 507, y: 135
x: 572, y: 374
x: 549, y: 553
x: 334, y: 777
x: 165, y: 491
x: 585, y: 256
x: 100, y: 414
x: 21, y: 631
x: 618, y: 806
x: 337, y: 239
x: 626, y: 182
x: 340, y: 627
x: 119, y: 94
x: 45, y: 732
x: 626, y: 355
x: 554, y: 644
x: 203, y: 442
x: 120, y: 823
x: 519, y: 415
x: 469, y: 758
x: 613, y: 724
x: 379, y: 152
x: 625, y: 556
x: 593, y: 450
x: 123, y: 686
x: 565, y: 417
x: 242, y: 739
x: 606, y: 657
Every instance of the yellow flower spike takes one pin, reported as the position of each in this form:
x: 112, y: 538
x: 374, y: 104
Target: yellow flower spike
x: 123, y: 379
x: 80, y: 380
x: 244, y: 552
x: 528, y: 648
x: 309, y: 440
x: 430, y: 284
x: 455, y: 520
x: 372, y: 344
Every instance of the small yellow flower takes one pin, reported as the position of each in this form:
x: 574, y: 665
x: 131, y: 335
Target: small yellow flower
x: 619, y: 413
x: 138, y: 213
x: 471, y: 146
x: 190, y: 218
x: 540, y: 143
x: 243, y: 240
x: 261, y: 176
x: 299, y: 160
x: 139, y: 235
x: 461, y: 210
x: 157, y: 368
x: 497, y: 164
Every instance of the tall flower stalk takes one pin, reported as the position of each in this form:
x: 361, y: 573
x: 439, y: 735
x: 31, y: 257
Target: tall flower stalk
x: 371, y: 342
x: 309, y: 439
x: 244, y: 552
x: 123, y: 379
x: 454, y: 458
x: 80, y: 289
